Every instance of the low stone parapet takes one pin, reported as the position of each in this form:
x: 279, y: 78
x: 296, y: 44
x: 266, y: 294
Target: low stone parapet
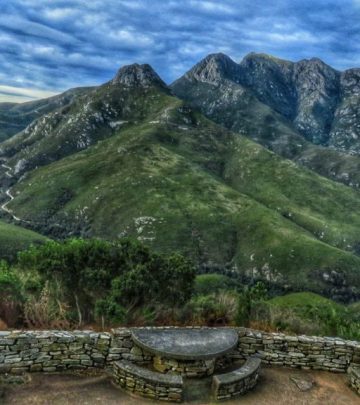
x: 237, y: 382
x: 49, y: 351
x: 306, y: 352
x: 147, y: 383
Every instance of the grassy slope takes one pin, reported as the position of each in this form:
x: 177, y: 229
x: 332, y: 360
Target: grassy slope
x: 163, y: 184
x: 14, y: 238
x: 311, y: 314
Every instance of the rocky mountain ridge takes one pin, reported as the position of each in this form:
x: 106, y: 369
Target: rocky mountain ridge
x: 287, y: 107
x: 318, y: 100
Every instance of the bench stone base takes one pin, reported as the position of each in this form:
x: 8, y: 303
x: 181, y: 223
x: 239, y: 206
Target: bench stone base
x: 354, y: 375
x: 186, y: 368
x: 147, y: 383
x: 237, y: 382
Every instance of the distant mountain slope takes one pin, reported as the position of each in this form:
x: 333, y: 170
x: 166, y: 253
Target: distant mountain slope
x: 278, y: 104
x: 16, y: 117
x: 14, y: 239
x: 154, y: 168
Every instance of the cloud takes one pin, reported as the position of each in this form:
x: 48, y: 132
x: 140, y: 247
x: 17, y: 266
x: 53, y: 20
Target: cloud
x: 65, y: 43
x: 20, y: 94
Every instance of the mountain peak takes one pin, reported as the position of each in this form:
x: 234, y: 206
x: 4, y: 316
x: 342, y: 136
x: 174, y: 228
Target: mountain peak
x: 254, y: 57
x: 212, y: 68
x: 136, y: 75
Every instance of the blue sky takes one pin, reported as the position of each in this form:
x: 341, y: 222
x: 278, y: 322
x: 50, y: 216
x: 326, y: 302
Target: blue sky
x: 50, y: 46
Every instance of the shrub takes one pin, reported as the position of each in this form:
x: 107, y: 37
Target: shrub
x: 99, y: 278
x: 10, y: 296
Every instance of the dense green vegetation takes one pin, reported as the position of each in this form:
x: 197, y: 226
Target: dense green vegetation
x: 77, y: 281
x: 221, y: 300
x: 308, y: 313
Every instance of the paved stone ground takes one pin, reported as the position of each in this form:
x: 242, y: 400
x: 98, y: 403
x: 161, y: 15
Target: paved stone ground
x: 275, y: 388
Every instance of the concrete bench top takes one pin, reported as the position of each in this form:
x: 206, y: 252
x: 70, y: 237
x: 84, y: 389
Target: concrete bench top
x: 186, y: 343
x: 251, y: 365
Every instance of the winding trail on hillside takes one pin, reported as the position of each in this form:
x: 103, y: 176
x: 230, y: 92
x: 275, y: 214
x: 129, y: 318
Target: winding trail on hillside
x: 8, y: 194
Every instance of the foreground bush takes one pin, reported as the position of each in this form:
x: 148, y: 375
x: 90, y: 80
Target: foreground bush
x: 96, y: 279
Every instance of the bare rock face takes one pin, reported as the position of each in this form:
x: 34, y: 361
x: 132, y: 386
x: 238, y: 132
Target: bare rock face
x: 271, y: 81
x: 138, y: 76
x: 319, y: 102
x: 213, y: 69
x: 345, y: 131
x: 305, y: 92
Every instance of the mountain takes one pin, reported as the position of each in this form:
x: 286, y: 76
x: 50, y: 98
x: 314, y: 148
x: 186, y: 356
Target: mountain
x: 130, y: 158
x: 16, y: 117
x: 303, y: 111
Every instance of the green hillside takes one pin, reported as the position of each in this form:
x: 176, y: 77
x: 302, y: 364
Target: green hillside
x: 179, y: 182
x: 309, y: 313
x: 14, y: 239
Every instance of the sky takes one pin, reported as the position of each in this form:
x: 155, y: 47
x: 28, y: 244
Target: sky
x: 48, y: 46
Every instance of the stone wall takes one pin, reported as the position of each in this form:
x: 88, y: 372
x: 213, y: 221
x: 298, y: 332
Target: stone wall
x: 318, y: 353
x: 24, y: 351
x: 237, y: 382
x: 147, y: 383
x: 55, y: 350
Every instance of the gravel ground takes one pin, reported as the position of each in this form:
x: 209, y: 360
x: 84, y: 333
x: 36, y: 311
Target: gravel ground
x: 278, y: 386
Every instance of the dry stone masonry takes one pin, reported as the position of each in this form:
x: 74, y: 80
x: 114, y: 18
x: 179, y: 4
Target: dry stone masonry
x: 354, y: 374
x: 317, y: 353
x: 54, y: 351
x: 49, y: 351
x: 147, y: 383
x: 237, y: 382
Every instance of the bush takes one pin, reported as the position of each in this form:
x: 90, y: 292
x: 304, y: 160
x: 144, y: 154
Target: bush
x: 213, y: 309
x: 10, y: 296
x: 98, y: 279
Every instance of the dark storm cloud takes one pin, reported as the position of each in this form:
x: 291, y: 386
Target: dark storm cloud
x: 58, y: 44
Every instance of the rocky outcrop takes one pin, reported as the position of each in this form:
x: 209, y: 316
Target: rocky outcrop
x: 138, y: 76
x: 319, y: 101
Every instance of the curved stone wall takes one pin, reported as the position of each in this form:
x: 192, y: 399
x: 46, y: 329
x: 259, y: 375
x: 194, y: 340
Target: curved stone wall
x: 354, y: 374
x: 147, y: 383
x: 237, y: 382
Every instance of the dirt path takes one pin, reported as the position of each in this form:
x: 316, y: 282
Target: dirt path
x: 274, y: 388
x: 8, y: 194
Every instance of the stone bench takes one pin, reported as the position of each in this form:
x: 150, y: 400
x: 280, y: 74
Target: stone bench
x: 147, y: 383
x: 354, y: 374
x: 237, y: 382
